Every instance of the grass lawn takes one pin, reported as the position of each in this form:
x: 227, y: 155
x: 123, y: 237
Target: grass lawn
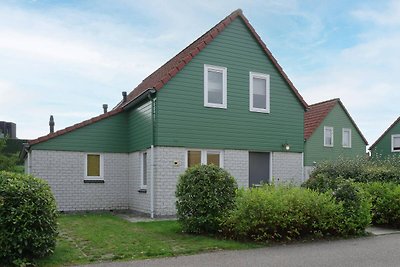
x: 104, y: 237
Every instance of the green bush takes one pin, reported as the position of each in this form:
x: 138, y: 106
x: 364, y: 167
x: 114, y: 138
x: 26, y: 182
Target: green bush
x: 204, y: 194
x: 28, y: 226
x: 361, y: 170
x: 385, y: 198
x: 284, y: 213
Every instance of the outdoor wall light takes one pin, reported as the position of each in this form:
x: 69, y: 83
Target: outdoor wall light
x: 286, y: 146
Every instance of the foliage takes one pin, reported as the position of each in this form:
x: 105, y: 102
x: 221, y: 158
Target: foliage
x: 361, y: 169
x: 28, y: 226
x: 286, y: 212
x: 385, y: 198
x: 204, y: 194
x: 8, y: 162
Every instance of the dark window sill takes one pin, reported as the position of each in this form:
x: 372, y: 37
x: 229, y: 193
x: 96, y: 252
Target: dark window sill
x: 142, y: 190
x: 90, y: 181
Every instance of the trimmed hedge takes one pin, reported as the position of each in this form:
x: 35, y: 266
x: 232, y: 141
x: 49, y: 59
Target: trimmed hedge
x: 286, y: 212
x: 204, y: 194
x: 28, y: 227
x: 361, y: 169
x: 385, y: 198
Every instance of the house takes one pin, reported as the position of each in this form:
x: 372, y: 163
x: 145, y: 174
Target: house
x: 329, y: 133
x: 224, y: 99
x: 388, y: 144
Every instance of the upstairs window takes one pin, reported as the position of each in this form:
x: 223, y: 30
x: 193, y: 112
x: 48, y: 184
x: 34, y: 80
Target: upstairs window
x: 396, y: 143
x: 94, y: 166
x: 215, y: 80
x: 328, y: 136
x: 346, y: 137
x: 259, y: 92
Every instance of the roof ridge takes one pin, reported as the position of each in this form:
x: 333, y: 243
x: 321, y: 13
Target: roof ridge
x: 326, y: 101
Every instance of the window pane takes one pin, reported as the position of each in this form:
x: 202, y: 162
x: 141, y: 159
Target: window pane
x: 144, y: 168
x: 328, y: 137
x: 346, y: 138
x: 213, y: 158
x: 194, y: 158
x: 215, y: 92
x: 259, y: 93
x: 93, y: 165
x: 396, y: 143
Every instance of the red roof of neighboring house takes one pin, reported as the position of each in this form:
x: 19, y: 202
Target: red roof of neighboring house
x: 387, y: 130
x: 316, y: 113
x: 163, y: 74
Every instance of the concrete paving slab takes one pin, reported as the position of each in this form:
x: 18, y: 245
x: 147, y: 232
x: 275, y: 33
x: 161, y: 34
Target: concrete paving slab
x: 379, y: 230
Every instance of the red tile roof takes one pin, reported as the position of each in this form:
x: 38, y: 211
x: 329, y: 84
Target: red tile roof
x: 316, y: 113
x: 387, y: 130
x: 163, y: 74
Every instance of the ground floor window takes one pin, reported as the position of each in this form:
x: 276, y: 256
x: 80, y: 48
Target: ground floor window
x: 195, y: 157
x: 94, y: 166
x: 144, y: 170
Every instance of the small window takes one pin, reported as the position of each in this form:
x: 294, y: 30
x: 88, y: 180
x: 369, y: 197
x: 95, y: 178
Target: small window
x: 328, y: 136
x: 346, y: 137
x: 396, y: 143
x: 213, y: 157
x: 195, y: 157
x: 215, y: 80
x: 259, y: 92
x: 94, y: 166
x: 144, y: 170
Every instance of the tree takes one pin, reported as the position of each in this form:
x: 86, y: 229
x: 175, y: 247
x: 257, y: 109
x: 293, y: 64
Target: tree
x: 8, y: 162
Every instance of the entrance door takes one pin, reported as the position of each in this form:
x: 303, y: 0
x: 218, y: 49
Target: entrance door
x: 259, y: 168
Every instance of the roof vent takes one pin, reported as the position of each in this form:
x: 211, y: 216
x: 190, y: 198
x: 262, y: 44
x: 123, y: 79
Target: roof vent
x: 51, y: 124
x: 105, y: 107
x: 123, y: 97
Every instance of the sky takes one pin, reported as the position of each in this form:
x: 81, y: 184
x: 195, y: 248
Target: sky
x: 68, y: 58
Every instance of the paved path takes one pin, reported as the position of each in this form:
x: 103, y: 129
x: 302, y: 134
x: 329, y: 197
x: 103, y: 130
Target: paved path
x: 374, y: 251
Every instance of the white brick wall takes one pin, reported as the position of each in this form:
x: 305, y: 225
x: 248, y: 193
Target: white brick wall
x: 307, y: 171
x: 65, y: 171
x: 236, y: 162
x: 138, y: 201
x: 287, y: 167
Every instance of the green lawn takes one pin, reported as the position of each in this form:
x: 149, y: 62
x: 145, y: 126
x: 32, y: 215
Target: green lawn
x: 104, y: 237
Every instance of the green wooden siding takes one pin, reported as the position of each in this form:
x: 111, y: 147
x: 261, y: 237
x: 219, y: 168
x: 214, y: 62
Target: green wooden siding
x: 182, y: 119
x: 314, y: 149
x: 140, y: 127
x: 384, y: 146
x: 107, y: 135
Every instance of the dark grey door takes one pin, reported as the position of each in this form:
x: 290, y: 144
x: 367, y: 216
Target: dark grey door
x: 258, y: 168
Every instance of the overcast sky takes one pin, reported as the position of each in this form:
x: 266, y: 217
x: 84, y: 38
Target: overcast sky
x: 67, y: 58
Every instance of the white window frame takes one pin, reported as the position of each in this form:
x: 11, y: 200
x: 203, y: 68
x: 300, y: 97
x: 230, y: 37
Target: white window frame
x: 224, y: 86
x: 392, y: 143
x: 343, y: 131
x: 101, y: 176
x: 251, y: 89
x: 328, y: 128
x: 203, y: 157
x: 142, y: 185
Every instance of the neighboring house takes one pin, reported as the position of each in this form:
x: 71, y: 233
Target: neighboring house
x: 329, y: 133
x: 388, y: 144
x: 224, y: 99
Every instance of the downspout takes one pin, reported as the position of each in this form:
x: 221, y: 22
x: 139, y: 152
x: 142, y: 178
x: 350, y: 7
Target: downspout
x: 152, y: 156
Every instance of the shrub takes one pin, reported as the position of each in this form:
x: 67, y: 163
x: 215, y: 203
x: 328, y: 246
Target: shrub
x: 283, y: 213
x: 385, y: 198
x: 28, y: 226
x: 204, y: 193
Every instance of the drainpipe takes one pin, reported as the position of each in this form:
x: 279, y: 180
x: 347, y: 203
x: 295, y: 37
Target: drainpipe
x: 152, y: 156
